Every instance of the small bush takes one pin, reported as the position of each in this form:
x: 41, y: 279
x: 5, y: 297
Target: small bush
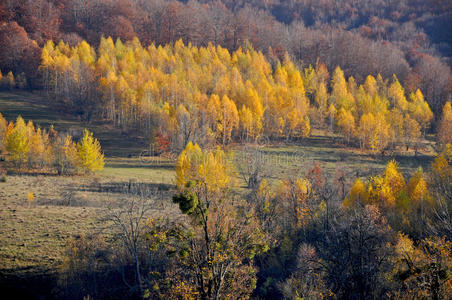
x: 30, y: 197
x: 3, y: 178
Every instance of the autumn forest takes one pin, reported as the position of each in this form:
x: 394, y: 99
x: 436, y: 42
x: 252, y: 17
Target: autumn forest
x: 227, y: 149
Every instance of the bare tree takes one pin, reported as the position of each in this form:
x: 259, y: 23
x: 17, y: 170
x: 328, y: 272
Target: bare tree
x: 129, y: 222
x: 252, y: 164
x: 354, y: 253
x: 440, y: 223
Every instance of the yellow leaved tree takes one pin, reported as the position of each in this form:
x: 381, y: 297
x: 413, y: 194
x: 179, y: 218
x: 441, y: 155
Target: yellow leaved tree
x: 417, y: 189
x: 229, y: 117
x: 396, y: 95
x: 409, y: 201
x: 357, y: 194
x: 210, y: 168
x: 17, y: 142
x: 46, y: 151
x: 36, y: 155
x: 222, y: 235
x: 445, y: 125
x: 384, y: 190
x: 346, y: 123
x: 420, y: 110
x: 3, y: 129
x: 9, y: 81
x: 90, y: 153
x: 67, y: 159
x: 423, y: 268
x: 292, y: 197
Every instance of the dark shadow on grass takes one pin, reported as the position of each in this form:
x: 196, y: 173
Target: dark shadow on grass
x: 320, y: 141
x: 32, y: 283
x: 405, y: 161
x: 123, y: 187
x: 160, y: 193
x: 33, y: 173
x: 144, y: 165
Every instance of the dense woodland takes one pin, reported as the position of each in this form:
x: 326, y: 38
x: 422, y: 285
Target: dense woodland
x: 206, y: 95
x: 407, y: 38
x: 199, y: 79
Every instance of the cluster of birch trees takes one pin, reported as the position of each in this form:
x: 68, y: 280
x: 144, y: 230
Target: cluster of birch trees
x: 210, y: 95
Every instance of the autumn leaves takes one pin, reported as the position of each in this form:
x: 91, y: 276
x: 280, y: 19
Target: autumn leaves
x: 194, y: 94
x: 211, y: 168
x: 33, y: 149
x: 377, y: 114
x: 211, y: 96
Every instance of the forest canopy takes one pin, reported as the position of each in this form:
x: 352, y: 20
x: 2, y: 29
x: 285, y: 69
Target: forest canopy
x: 407, y: 38
x: 209, y: 95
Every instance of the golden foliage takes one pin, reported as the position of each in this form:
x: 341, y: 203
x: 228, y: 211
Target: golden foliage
x: 90, y: 153
x: 44, y: 150
x: 138, y: 84
x: 212, y: 168
x: 445, y: 125
x: 358, y: 193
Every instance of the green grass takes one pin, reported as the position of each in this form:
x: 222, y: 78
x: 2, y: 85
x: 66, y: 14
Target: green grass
x: 140, y: 170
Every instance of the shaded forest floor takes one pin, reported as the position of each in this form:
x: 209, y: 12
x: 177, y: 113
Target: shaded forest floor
x: 33, y: 235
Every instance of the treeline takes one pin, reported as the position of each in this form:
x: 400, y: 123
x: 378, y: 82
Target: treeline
x: 376, y: 17
x: 180, y: 93
x: 307, y: 237
x: 363, y: 37
x: 31, y: 149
